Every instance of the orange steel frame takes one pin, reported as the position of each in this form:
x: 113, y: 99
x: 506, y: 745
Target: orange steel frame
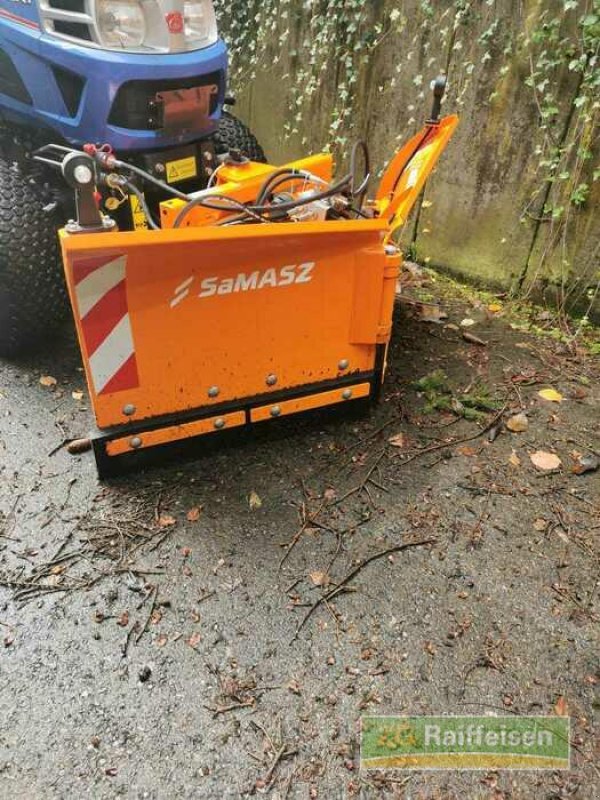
x: 199, y: 329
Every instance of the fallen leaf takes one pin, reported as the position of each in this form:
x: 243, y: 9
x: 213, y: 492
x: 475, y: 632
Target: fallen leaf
x: 495, y: 308
x: 161, y: 640
x: 294, y: 687
x: 254, y: 501
x: 545, y: 461
x: 540, y: 524
x: 514, y: 459
x: 8, y: 640
x: 156, y: 616
x: 194, y: 640
x: 467, y: 323
x: 320, y: 578
x: 466, y: 451
x: 123, y: 620
x: 518, y: 423
x: 587, y: 463
x: 551, y: 395
x: 329, y: 495
x: 429, y: 312
x: 166, y: 521
x: 579, y: 393
x: 193, y: 515
x: 561, y: 707
x: 400, y: 440
x: 186, y: 552
x: 48, y: 381
x: 77, y: 395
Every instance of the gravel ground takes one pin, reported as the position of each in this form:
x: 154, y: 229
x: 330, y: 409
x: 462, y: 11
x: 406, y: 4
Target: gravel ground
x: 153, y: 645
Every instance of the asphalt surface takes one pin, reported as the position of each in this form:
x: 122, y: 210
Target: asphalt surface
x: 151, y: 633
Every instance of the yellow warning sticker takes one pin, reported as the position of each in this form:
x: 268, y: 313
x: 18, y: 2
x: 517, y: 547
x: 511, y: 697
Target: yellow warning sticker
x: 182, y: 169
x: 140, y: 223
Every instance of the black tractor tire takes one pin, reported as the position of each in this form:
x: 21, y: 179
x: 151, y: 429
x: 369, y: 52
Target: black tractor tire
x: 234, y: 135
x: 32, y: 288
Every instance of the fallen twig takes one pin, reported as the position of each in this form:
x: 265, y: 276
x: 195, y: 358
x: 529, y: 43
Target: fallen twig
x: 216, y: 710
x: 362, y: 485
x: 435, y: 447
x: 351, y: 575
x: 469, y: 337
x: 130, y: 633
x: 307, y: 520
x: 154, y: 592
x: 283, y: 752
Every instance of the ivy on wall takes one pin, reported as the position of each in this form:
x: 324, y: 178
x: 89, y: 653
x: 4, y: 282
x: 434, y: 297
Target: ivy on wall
x: 327, y: 48
x: 567, y: 40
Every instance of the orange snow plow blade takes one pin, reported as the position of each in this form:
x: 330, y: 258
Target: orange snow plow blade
x: 201, y: 327
x: 407, y: 174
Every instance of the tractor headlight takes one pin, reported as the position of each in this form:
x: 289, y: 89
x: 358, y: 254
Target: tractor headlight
x: 132, y: 26
x: 200, y: 23
x: 121, y: 24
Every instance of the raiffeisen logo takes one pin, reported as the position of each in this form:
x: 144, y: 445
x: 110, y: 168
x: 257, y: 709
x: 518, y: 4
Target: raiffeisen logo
x: 273, y: 278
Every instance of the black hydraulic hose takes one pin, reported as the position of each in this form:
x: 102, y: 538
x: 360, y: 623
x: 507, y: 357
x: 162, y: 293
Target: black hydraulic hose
x: 282, y: 180
x: 360, y: 192
x: 334, y: 189
x: 267, y: 188
x: 421, y: 144
x: 123, y: 165
x: 256, y: 211
x: 204, y: 201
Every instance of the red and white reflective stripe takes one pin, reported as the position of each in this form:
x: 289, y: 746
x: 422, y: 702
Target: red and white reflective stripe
x: 101, y: 291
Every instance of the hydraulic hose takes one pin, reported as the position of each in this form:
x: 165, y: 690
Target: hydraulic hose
x: 204, y: 201
x: 360, y: 191
x: 123, y: 165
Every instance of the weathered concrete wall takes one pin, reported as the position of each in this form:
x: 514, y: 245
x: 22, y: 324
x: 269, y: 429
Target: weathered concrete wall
x: 336, y: 70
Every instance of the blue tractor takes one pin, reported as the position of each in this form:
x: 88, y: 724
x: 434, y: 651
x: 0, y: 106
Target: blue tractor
x: 146, y: 78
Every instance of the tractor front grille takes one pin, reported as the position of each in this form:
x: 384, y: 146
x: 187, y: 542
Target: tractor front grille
x: 132, y: 105
x: 10, y: 80
x: 71, y: 88
x: 69, y: 19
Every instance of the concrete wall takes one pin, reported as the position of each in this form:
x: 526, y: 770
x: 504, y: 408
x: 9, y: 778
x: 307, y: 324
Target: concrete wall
x: 302, y: 64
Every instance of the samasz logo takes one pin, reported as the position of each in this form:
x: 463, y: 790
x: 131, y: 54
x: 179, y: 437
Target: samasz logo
x: 272, y: 278
x: 286, y: 276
